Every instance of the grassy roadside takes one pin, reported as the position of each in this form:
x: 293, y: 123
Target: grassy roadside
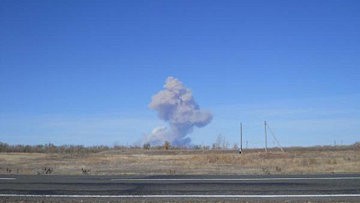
x: 178, y: 162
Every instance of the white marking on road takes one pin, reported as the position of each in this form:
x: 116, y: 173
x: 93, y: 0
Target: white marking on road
x: 183, y: 196
x: 234, y: 179
x: 7, y: 178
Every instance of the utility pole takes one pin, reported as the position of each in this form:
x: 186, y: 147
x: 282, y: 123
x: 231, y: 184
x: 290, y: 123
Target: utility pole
x: 265, y: 137
x: 240, y: 138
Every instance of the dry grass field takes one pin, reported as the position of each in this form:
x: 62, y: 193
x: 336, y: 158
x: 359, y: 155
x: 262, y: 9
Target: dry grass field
x: 178, y: 162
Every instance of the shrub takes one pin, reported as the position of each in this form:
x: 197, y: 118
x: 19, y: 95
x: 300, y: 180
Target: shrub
x: 167, y: 145
x: 146, y: 146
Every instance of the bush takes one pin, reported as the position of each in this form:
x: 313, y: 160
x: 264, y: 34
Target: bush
x: 146, y: 146
x: 167, y: 145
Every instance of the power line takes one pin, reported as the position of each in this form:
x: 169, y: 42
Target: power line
x: 273, y: 135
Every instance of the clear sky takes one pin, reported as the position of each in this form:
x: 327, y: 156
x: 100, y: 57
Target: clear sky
x: 84, y: 71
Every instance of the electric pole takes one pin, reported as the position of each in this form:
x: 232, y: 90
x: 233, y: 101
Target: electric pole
x: 240, y: 138
x: 265, y: 137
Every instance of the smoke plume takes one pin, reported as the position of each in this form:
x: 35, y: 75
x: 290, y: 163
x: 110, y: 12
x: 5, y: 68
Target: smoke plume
x: 175, y: 104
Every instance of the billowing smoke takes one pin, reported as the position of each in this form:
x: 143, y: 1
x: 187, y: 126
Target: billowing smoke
x: 176, y: 105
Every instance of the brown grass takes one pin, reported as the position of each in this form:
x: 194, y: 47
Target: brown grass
x: 146, y: 162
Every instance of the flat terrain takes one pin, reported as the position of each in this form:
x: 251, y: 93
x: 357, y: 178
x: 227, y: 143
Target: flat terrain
x: 315, y: 160
x: 322, y: 188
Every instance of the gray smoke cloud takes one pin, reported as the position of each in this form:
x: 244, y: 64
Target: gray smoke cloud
x: 175, y: 104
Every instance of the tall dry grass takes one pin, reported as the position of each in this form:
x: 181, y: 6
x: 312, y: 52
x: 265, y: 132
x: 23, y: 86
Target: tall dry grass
x: 177, y: 161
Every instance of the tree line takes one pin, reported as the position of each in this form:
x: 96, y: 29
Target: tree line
x: 51, y: 148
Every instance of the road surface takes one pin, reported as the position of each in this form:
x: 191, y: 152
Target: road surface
x: 182, y: 188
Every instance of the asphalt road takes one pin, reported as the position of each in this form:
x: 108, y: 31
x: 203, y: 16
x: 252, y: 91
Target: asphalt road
x: 275, y: 188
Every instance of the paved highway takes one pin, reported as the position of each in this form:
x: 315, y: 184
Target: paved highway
x: 183, y: 188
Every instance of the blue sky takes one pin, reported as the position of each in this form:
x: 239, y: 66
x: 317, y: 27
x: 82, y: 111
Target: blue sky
x: 83, y: 72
